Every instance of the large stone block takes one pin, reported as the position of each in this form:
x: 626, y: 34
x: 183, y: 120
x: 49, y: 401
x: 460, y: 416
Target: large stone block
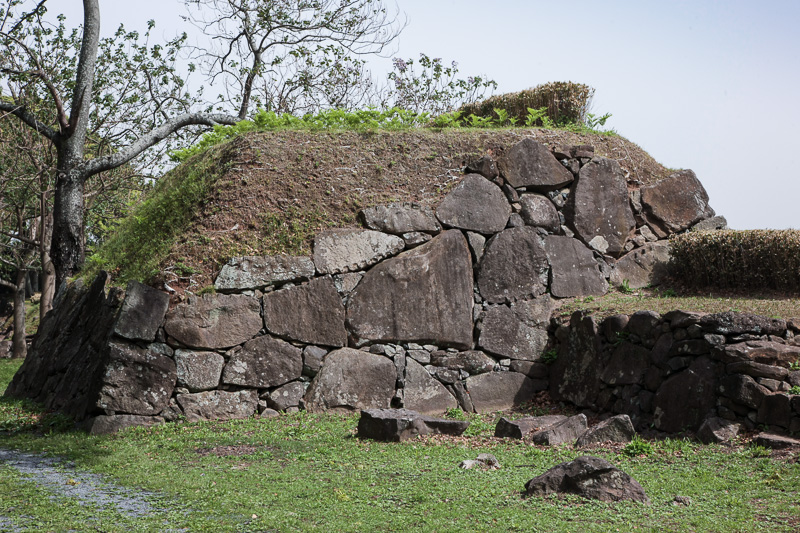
x: 264, y: 362
x: 472, y: 361
x: 523, y: 427
x: 674, y: 409
x: 198, y: 371
x: 498, y: 391
x: 564, y: 432
x: 400, y: 218
x: 350, y: 380
x: 142, y: 312
x: 506, y: 334
x: 575, y: 374
x: 347, y: 250
x: 258, y: 272
x: 530, y: 164
x: 475, y: 204
x: 677, y: 202
x: 514, y: 266
x: 538, y: 211
x: 615, y: 429
x: 423, y: 393
x: 218, y: 405
x: 642, y: 267
x: 311, y: 313
x: 628, y: 365
x: 424, y: 295
x: 215, y: 321
x: 398, y: 425
x: 588, y: 477
x: 598, y: 205
x: 135, y: 380
x: 573, y: 269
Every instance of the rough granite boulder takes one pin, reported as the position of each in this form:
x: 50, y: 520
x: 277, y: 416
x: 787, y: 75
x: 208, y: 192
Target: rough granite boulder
x: 136, y: 380
x: 599, y: 206
x: 677, y: 202
x: 530, y: 164
x: 398, y: 425
x: 475, y: 204
x: 498, y: 391
x: 215, y: 321
x: 564, y: 432
x: 642, y: 267
x: 522, y: 427
x: 264, y: 362
x: 573, y: 269
x: 198, y: 371
x: 615, y: 429
x: 287, y: 396
x: 424, y: 295
x: 400, y: 218
x: 351, y: 380
x: 218, y: 405
x: 628, y: 365
x: 346, y: 250
x: 142, y: 312
x: 730, y: 323
x: 715, y: 430
x: 423, y: 393
x: 504, y: 333
x: 514, y: 266
x: 311, y: 313
x: 588, y: 477
x: 539, y: 211
x: 258, y: 272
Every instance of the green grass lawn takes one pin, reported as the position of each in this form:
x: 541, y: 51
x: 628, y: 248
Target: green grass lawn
x: 307, y: 472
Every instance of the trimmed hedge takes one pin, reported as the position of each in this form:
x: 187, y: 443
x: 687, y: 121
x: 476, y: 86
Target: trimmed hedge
x: 752, y: 259
x: 566, y: 102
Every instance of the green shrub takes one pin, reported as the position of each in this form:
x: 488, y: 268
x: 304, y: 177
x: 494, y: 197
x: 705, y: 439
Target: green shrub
x: 565, y: 102
x: 751, y: 260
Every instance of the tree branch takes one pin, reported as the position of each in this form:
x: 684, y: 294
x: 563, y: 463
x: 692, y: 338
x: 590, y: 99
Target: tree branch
x: 155, y: 136
x: 22, y: 113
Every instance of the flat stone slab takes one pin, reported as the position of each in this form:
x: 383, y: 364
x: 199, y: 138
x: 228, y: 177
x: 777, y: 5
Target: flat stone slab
x: 259, y: 272
x: 424, y: 295
x: 564, y: 432
x: 615, y: 429
x: 475, y: 204
x: 523, y: 427
x: 142, y: 312
x: 352, y: 379
x: 311, y: 313
x: 400, y: 218
x: 589, y: 477
x: 530, y: 164
x: 499, y: 391
x: 472, y: 361
x: 423, y: 393
x: 397, y: 425
x: 514, y: 266
x: 598, y: 205
x: 218, y: 405
x: 775, y: 442
x: 642, y: 267
x: 573, y: 269
x: 215, y: 321
x: 677, y: 202
x: 264, y: 362
x: 348, y: 250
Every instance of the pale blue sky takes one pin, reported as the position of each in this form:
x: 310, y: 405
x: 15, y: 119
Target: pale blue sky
x: 702, y: 84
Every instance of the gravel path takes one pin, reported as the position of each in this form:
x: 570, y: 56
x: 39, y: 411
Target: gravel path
x: 64, y: 481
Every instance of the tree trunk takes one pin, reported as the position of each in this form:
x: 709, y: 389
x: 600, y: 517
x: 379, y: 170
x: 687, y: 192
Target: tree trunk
x: 19, y: 350
x: 67, y: 247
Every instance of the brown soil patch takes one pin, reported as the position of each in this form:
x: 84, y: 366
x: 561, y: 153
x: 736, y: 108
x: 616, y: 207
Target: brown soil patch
x: 287, y: 185
x: 228, y: 451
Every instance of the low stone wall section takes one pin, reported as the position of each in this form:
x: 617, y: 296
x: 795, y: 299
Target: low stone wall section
x: 424, y: 309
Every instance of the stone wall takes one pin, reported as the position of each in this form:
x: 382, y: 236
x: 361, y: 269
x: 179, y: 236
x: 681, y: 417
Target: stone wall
x: 423, y: 309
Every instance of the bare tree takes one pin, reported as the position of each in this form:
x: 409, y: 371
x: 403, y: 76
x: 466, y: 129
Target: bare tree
x: 292, y: 55
x: 131, y: 96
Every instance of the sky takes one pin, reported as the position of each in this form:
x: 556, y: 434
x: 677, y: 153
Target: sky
x: 708, y: 85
